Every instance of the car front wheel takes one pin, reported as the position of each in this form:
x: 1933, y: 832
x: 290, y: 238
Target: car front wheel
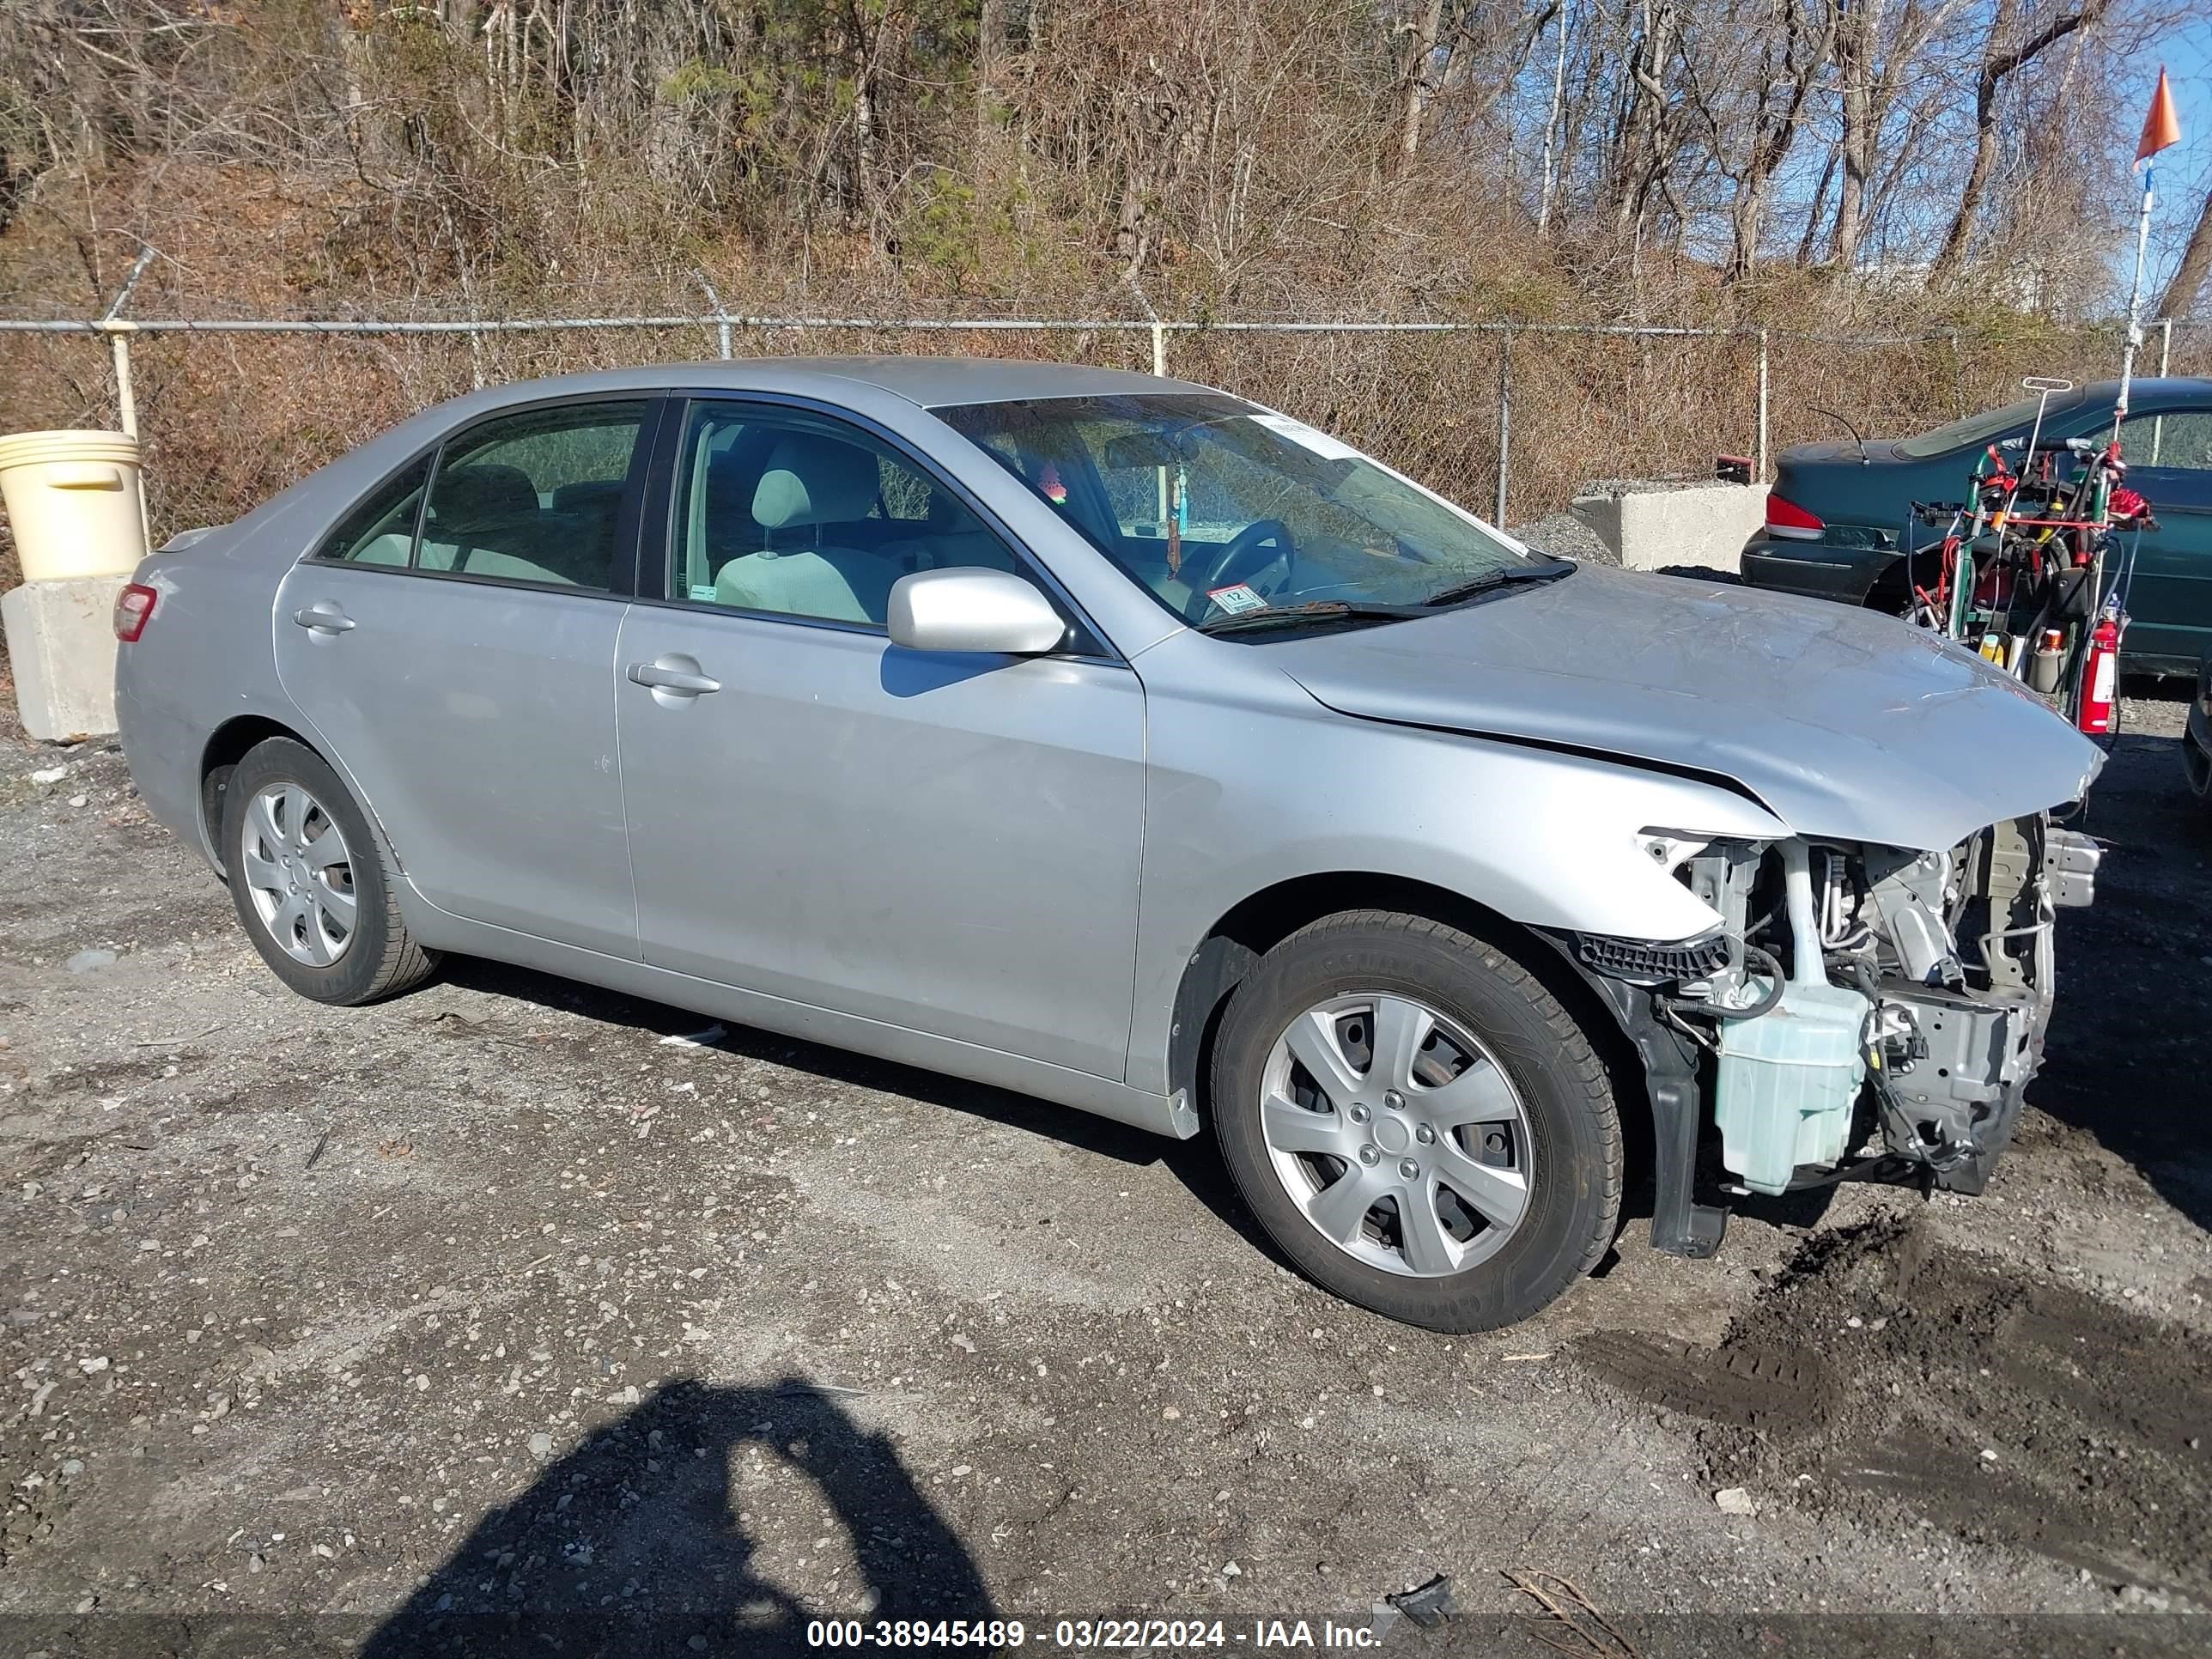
x: 1417, y: 1121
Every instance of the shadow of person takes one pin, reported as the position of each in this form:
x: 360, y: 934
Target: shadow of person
x: 633, y: 1544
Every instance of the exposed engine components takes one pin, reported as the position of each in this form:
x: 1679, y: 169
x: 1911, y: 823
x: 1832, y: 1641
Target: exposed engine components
x: 1951, y: 1070
x: 2070, y: 868
x: 1786, y: 1082
x: 1912, y: 893
x: 1630, y: 958
x: 1899, y: 1040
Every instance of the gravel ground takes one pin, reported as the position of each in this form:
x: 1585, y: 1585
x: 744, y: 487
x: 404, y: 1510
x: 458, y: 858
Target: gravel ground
x: 1564, y: 534
x: 518, y: 1316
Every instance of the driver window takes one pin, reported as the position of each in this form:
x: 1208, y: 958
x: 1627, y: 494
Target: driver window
x: 784, y: 513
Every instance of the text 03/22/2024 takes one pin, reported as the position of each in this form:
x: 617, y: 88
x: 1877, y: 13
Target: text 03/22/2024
x: 1108, y: 1635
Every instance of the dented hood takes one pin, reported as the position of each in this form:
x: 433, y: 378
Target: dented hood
x: 1846, y: 724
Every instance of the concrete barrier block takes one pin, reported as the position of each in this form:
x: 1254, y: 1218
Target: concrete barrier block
x: 61, y: 644
x: 1651, y: 526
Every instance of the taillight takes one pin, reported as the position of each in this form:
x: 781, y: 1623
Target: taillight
x: 1785, y: 518
x: 133, y: 606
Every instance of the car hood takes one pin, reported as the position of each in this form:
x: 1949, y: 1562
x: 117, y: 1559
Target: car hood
x: 1843, y: 723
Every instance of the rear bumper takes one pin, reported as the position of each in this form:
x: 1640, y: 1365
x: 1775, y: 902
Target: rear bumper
x: 1812, y: 569
x: 164, y: 755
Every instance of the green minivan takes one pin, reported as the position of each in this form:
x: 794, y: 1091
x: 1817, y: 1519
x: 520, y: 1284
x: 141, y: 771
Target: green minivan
x: 1840, y: 520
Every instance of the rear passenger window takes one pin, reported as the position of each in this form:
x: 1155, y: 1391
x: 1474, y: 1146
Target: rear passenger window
x: 533, y: 497
x: 381, y: 530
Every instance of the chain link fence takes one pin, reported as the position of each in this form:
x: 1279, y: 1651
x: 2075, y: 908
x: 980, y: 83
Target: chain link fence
x: 1512, y: 418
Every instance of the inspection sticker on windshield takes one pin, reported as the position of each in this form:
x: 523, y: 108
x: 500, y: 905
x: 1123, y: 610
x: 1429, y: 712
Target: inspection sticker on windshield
x: 1236, y: 598
x: 1307, y: 437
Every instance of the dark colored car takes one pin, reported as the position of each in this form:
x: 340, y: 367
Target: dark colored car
x: 1838, y: 513
x: 2196, y: 745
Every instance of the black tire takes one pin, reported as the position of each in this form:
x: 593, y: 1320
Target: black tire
x: 380, y: 958
x: 2195, y: 761
x: 1891, y: 593
x: 1573, y: 1128
x: 2196, y: 769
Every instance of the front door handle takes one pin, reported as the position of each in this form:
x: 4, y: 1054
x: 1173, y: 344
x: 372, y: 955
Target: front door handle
x: 322, y: 617
x: 664, y: 676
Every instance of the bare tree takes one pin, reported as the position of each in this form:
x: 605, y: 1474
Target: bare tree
x: 1427, y: 24
x: 2002, y: 57
x: 1340, y: 154
x: 1750, y: 84
x: 2183, y: 292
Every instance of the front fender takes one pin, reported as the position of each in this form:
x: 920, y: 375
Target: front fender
x: 1241, y: 801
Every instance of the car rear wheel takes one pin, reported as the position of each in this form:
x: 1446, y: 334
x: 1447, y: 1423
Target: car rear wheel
x: 2195, y: 756
x: 1417, y: 1121
x: 309, y: 880
x: 1891, y: 593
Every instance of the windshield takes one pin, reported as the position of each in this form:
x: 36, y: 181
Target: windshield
x: 1216, y: 508
x: 1986, y: 427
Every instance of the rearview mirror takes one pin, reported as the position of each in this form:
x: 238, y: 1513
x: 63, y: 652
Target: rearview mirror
x: 1132, y: 451
x: 972, y: 609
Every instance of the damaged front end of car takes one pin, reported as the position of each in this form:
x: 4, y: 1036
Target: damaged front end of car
x: 1859, y: 1012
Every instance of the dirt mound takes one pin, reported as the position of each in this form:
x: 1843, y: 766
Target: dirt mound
x: 1752, y: 1388
x: 1885, y: 1377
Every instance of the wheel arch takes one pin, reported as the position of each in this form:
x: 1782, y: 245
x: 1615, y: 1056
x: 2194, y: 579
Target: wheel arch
x: 1258, y: 922
x: 1887, y: 590
x: 229, y: 743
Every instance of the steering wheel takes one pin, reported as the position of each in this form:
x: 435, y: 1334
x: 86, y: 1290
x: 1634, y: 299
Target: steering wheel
x: 1241, y: 548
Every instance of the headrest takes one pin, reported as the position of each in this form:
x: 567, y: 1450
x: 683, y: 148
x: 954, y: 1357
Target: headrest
x: 588, y: 493
x: 814, y: 480
x: 476, y: 495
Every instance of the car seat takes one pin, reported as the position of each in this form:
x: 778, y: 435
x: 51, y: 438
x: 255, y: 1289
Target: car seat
x: 811, y: 482
x: 485, y: 521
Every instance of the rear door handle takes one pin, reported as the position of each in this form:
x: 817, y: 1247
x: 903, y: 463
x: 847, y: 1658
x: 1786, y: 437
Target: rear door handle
x: 663, y: 675
x: 324, y: 618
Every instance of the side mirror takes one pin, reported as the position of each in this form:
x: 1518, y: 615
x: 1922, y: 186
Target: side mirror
x: 971, y: 610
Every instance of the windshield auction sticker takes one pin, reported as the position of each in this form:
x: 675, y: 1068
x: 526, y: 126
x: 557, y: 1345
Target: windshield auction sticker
x: 1236, y: 598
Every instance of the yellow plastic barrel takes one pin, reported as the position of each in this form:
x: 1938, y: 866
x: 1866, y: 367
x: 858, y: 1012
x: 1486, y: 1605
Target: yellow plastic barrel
x: 73, y: 502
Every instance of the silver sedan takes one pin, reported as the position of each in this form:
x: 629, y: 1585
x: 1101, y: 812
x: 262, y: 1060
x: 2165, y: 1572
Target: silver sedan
x: 1120, y: 741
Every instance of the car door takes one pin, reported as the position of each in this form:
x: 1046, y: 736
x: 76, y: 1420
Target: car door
x: 944, y: 842
x: 2169, y: 454
x: 453, y: 643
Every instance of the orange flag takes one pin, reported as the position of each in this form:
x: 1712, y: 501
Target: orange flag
x: 2161, y: 127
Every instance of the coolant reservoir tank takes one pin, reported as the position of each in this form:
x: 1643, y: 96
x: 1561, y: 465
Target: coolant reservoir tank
x: 1786, y: 1082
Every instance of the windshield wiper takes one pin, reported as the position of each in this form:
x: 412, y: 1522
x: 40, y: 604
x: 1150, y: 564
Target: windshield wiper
x: 1491, y: 582
x: 1289, y: 615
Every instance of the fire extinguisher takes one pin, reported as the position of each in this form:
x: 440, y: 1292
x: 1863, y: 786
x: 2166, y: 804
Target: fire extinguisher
x: 2100, y: 673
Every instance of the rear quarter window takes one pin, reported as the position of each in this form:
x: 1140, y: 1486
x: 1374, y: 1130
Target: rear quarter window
x: 380, y: 529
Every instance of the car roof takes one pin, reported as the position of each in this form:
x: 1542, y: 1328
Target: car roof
x: 929, y: 382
